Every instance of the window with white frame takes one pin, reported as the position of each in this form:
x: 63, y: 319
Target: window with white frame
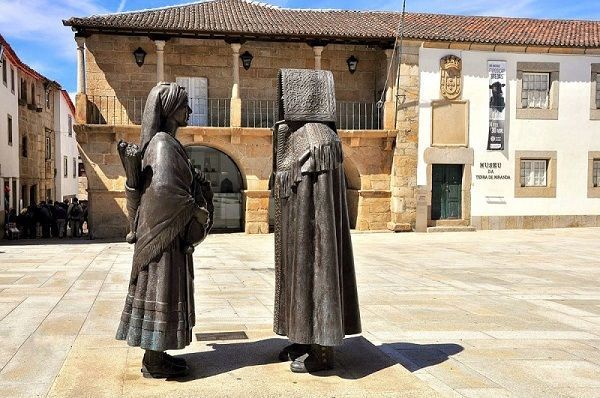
x: 65, y: 166
x: 597, y: 90
x: 74, y: 167
x: 533, y: 172
x: 536, y: 90
x: 12, y: 80
x: 70, y: 126
x: 4, y: 71
x: 596, y: 173
x: 10, y: 129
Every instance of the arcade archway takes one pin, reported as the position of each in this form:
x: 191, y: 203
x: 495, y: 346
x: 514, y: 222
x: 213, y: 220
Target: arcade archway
x: 226, y: 182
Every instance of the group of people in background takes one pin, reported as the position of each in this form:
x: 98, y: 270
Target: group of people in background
x: 48, y: 219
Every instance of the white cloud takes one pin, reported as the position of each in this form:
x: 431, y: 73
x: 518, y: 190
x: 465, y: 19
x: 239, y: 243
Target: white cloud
x: 40, y: 22
x: 121, y: 5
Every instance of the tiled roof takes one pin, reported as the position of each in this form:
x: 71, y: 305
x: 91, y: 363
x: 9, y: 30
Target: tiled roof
x: 222, y: 18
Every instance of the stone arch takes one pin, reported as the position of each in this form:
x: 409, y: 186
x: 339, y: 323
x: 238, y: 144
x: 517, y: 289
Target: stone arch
x: 227, y: 182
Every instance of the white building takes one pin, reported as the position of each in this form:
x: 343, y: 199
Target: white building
x: 9, y: 130
x: 66, y: 180
x: 548, y: 172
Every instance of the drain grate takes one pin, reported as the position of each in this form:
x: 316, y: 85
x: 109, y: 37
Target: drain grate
x: 221, y: 336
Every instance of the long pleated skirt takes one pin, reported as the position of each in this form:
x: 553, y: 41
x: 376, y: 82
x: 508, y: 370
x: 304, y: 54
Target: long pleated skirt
x: 159, y: 307
x: 316, y: 297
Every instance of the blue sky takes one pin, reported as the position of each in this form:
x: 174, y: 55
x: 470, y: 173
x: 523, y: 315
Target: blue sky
x: 34, y: 27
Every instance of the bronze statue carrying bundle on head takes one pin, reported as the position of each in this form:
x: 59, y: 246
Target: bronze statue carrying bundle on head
x: 171, y: 211
x: 316, y: 302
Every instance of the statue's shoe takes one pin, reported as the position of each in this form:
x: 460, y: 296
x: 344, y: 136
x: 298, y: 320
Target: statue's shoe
x: 164, y: 370
x: 175, y: 360
x: 318, y: 358
x: 293, y: 351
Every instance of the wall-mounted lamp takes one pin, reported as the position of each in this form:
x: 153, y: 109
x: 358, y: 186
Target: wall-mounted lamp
x: 246, y: 60
x: 352, y: 63
x: 139, y: 55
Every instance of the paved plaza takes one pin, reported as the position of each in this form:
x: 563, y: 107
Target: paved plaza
x: 474, y: 314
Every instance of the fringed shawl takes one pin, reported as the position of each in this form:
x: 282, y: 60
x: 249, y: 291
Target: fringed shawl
x: 167, y: 204
x: 305, y: 139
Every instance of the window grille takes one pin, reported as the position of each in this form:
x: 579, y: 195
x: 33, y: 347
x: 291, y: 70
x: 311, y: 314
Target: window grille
x: 535, y: 92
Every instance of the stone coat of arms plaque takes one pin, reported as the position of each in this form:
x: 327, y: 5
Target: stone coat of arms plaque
x: 450, y: 77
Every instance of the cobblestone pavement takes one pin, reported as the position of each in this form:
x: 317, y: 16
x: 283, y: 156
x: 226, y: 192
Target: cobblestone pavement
x: 481, y: 314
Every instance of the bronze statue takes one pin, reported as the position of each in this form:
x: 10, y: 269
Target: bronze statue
x: 170, y: 210
x: 316, y: 302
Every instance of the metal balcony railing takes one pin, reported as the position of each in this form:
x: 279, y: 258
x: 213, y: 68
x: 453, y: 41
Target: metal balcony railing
x: 215, y: 112
x: 359, y: 116
x: 109, y: 109
x: 259, y: 113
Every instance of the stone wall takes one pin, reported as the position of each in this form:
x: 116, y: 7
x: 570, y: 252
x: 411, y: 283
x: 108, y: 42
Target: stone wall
x: 35, y: 125
x: 112, y: 71
x: 403, y: 179
x: 368, y: 159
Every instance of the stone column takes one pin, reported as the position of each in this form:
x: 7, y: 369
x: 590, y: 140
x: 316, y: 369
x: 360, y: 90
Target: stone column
x: 10, y: 196
x: 318, y: 50
x: 256, y: 214
x: 235, y: 115
x: 81, y: 96
x: 160, y: 60
x: 389, y: 106
x: 80, y: 64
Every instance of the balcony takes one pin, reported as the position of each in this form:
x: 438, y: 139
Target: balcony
x: 215, y: 112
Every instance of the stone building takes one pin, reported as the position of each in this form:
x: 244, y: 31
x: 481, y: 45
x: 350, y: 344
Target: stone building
x: 227, y: 54
x: 28, y: 151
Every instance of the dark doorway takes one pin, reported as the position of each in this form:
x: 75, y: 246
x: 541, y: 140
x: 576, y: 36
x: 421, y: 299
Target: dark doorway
x: 226, y: 182
x: 33, y: 194
x: 446, y: 191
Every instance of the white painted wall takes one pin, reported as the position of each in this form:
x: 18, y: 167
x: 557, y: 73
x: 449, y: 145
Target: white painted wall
x: 65, y: 146
x: 572, y: 135
x: 9, y: 155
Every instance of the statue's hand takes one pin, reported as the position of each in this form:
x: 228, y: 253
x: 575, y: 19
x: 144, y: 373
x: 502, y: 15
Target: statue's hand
x: 202, y: 215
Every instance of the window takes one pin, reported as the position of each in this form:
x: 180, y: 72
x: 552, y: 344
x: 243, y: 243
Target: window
x: 48, y: 98
x: 12, y: 80
x: 70, y: 126
x: 10, y: 131
x: 595, y: 97
x: 533, y: 173
x: 597, y: 90
x: 33, y: 93
x: 23, y: 94
x: 536, y: 90
x: 4, y: 71
x: 24, y: 147
x: 593, y: 174
x: 65, y: 165
x: 48, y: 145
x: 74, y: 167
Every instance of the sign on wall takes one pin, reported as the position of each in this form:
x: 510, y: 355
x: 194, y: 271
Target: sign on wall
x: 497, y: 118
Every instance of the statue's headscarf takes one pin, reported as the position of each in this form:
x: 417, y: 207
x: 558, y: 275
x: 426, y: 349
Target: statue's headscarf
x: 306, y: 95
x: 164, y: 99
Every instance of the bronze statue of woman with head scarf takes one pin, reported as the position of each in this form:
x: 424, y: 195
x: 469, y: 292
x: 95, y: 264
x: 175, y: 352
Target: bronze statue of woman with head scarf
x: 171, y: 211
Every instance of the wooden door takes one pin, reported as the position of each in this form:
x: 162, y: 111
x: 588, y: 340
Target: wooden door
x: 446, y: 191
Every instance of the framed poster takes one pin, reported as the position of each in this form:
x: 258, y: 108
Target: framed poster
x: 497, y: 114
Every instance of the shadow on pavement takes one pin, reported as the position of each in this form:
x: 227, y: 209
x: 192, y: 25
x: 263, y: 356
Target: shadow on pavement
x: 355, y: 359
x: 418, y: 356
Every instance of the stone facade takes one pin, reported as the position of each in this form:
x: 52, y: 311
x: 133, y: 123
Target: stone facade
x: 36, y: 126
x: 380, y: 164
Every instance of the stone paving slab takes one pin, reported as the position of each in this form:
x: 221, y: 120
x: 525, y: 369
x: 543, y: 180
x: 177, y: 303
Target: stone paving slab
x: 483, y: 314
